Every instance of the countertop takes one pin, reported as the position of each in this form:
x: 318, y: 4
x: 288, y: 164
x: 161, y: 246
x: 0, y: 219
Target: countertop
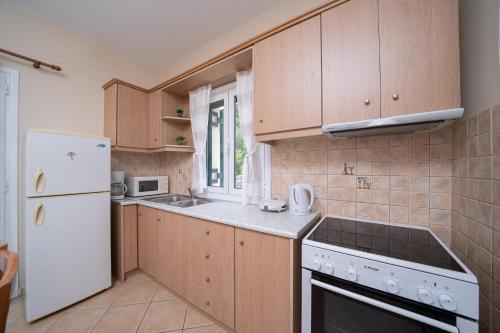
x: 243, y: 216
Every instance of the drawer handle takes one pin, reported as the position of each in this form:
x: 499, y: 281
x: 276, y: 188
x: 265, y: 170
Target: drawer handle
x: 207, y: 279
x: 207, y: 256
x: 367, y: 101
x: 207, y: 232
x: 207, y: 303
x: 395, y: 97
x: 242, y: 243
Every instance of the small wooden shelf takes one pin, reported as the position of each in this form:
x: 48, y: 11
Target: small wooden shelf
x: 164, y: 148
x: 177, y: 119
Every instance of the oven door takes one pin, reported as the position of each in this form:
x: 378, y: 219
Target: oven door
x: 331, y: 305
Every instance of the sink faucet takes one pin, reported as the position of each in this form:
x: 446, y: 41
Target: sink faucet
x: 192, y: 192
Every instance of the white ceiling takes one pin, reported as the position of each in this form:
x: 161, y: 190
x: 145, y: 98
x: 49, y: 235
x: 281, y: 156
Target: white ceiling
x: 153, y: 32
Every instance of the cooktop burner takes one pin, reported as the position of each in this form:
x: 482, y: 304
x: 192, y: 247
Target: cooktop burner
x: 406, y: 243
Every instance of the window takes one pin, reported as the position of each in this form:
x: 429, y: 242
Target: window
x: 225, y: 150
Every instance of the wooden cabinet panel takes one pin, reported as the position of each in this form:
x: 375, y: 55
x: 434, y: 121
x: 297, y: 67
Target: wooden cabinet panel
x: 287, y: 76
x: 264, y: 270
x: 110, y: 109
x: 155, y: 103
x: 211, y: 268
x: 132, y: 118
x: 172, y: 257
x: 123, y: 240
x: 214, y: 234
x: 350, y: 62
x: 146, y: 227
x: 419, y: 56
x: 130, y: 237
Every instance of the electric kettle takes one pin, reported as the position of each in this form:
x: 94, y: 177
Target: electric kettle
x: 299, y: 203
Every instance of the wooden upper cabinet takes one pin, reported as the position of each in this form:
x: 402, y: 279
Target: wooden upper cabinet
x: 350, y: 62
x: 155, y: 104
x: 132, y: 118
x: 419, y: 56
x: 146, y: 239
x: 110, y: 110
x: 126, y: 117
x: 287, y: 76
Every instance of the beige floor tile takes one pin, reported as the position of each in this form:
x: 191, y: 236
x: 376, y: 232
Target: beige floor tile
x: 39, y: 326
x: 77, y: 321
x: 122, y: 319
x: 164, y: 316
x: 137, y: 292
x: 162, y: 294
x: 195, y: 318
x: 206, y: 329
x: 16, y: 310
x: 139, y: 276
x: 103, y: 299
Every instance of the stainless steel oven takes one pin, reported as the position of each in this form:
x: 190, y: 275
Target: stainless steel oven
x: 332, y: 305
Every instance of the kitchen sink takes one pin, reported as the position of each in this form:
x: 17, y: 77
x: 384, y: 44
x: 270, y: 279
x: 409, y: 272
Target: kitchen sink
x: 178, y: 200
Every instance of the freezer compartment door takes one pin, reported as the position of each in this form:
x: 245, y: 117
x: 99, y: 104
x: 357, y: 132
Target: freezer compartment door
x: 67, y: 251
x: 58, y: 164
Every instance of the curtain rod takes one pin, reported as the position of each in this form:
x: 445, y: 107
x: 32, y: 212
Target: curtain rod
x: 36, y: 63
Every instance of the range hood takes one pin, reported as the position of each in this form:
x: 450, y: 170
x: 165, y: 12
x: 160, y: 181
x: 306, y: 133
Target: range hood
x: 393, y: 125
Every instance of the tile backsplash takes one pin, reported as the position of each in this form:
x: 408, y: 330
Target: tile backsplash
x: 398, y: 178
x: 475, y: 217
x: 178, y: 166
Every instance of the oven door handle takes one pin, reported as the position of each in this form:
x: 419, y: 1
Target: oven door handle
x: 388, y: 307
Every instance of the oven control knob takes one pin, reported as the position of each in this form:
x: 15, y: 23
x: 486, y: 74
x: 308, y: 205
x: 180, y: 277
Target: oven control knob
x: 447, y: 302
x: 352, y: 274
x: 316, y: 265
x: 328, y: 268
x: 392, y: 286
x: 425, y: 296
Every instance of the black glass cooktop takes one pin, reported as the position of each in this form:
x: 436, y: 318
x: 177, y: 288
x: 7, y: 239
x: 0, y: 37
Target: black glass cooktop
x: 410, y: 244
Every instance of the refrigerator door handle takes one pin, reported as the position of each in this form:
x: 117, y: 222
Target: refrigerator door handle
x: 39, y: 214
x: 39, y: 181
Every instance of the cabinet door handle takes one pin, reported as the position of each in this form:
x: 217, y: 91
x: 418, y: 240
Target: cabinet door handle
x: 207, y: 303
x: 395, y: 97
x: 261, y: 121
x: 367, y: 101
x: 207, y: 232
x: 207, y: 256
x: 242, y: 243
x: 207, y: 279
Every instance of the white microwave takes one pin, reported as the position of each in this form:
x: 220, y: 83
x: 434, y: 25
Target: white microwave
x: 138, y: 186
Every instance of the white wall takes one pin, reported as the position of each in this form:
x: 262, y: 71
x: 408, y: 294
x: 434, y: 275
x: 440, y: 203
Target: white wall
x: 267, y: 20
x: 70, y: 100
x: 480, y: 64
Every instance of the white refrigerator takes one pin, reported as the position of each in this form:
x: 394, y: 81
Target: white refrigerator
x: 67, y: 248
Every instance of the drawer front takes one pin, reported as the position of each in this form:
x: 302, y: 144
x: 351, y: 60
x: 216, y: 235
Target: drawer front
x: 213, y: 304
x: 215, y: 234
x: 211, y: 268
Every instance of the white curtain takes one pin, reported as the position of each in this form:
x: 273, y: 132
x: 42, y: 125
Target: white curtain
x: 251, y: 177
x: 199, y: 103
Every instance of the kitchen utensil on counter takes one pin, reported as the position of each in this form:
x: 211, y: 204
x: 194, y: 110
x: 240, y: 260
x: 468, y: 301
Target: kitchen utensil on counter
x: 299, y: 201
x: 118, y: 187
x: 273, y: 205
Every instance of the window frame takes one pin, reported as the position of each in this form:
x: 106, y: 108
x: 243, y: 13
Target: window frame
x: 228, y: 191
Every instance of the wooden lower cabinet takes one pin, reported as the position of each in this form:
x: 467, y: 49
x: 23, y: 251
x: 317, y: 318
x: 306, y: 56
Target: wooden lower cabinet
x: 146, y: 233
x: 171, y: 243
x: 249, y: 281
x: 123, y: 240
x: 266, y: 283
x: 211, y: 268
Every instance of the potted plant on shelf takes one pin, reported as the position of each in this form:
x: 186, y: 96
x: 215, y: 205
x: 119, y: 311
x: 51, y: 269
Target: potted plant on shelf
x: 179, y: 112
x: 180, y: 140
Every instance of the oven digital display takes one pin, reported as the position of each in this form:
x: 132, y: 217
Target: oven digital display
x: 148, y: 185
